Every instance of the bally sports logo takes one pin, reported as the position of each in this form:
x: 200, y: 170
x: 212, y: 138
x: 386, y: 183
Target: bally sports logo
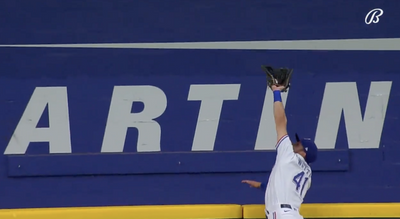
x: 373, y: 16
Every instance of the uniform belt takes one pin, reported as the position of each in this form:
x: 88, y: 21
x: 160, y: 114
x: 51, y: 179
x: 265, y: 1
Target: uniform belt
x: 283, y: 206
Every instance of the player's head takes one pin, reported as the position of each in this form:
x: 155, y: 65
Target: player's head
x: 306, y: 148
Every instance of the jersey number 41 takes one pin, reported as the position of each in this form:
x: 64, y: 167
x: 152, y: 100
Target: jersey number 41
x: 300, y: 182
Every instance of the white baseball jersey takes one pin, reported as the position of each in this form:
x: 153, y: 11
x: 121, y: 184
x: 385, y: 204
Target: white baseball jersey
x: 289, y: 181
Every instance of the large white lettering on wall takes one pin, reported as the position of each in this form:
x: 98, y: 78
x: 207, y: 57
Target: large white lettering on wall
x: 120, y: 118
x: 340, y: 98
x: 58, y: 132
x: 362, y: 132
x: 212, y: 98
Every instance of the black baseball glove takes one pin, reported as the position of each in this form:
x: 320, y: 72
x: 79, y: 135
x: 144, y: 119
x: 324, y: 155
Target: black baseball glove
x: 278, y: 76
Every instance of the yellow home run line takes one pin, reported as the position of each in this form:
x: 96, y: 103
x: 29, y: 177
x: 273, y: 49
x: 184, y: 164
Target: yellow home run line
x: 327, y: 210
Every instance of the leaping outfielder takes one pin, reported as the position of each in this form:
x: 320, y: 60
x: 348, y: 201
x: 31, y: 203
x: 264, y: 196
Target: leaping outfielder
x: 290, y: 177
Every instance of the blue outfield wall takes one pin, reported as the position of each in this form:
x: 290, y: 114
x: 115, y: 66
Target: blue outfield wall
x: 145, y: 124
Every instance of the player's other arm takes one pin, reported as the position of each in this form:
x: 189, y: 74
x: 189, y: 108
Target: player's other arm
x: 279, y: 113
x: 255, y: 184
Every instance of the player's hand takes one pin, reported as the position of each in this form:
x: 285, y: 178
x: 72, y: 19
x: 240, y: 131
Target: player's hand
x: 253, y: 184
x: 277, y: 87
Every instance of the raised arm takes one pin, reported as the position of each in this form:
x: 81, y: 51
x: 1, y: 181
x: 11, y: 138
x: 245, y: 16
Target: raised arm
x: 279, y: 113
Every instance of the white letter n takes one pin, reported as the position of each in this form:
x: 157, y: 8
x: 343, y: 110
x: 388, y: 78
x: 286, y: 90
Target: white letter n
x: 361, y: 133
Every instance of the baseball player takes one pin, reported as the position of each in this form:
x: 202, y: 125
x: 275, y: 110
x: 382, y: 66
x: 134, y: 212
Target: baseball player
x: 290, y: 177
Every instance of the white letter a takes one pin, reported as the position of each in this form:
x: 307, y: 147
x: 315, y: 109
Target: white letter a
x: 57, y: 134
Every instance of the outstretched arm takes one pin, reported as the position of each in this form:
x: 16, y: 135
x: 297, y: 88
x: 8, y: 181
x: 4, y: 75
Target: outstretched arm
x: 255, y: 184
x: 279, y: 113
